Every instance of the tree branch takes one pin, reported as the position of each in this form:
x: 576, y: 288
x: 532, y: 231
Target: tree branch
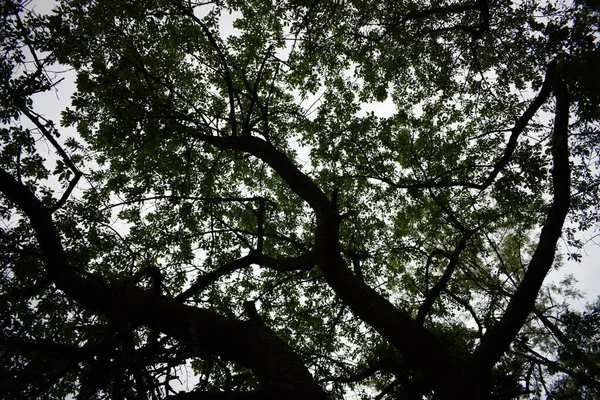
x: 451, y: 9
x: 278, y: 369
x: 226, y: 72
x: 422, y: 349
x: 579, y: 355
x: 516, y: 131
x: 300, y: 263
x: 298, y: 182
x: 35, y: 118
x: 205, y: 280
x: 519, y: 127
x: 540, y: 359
x: 497, y: 340
x: 441, y: 284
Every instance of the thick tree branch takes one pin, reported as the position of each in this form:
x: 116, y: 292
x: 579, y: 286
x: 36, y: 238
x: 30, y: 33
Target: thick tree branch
x: 497, y: 340
x: 207, y: 279
x: 303, y: 262
x: 384, y: 364
x: 21, y: 293
x: 279, y: 371
x: 423, y: 350
x: 298, y: 182
x: 51, y: 348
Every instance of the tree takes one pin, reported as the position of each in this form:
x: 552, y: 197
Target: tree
x: 229, y: 201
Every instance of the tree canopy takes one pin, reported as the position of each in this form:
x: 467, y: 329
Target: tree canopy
x: 298, y: 199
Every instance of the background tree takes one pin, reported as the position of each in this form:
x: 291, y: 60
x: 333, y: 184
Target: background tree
x: 230, y: 202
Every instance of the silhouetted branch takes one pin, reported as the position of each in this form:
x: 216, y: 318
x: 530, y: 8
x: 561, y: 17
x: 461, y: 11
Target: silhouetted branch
x: 35, y: 118
x: 226, y: 72
x: 579, y: 355
x: 274, y: 363
x: 542, y: 360
x: 497, y: 339
x: 300, y: 263
x: 441, y: 284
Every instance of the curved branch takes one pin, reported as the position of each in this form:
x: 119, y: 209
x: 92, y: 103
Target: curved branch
x: 519, y: 127
x: 422, y: 349
x: 298, y: 182
x: 278, y: 369
x: 205, y: 280
x: 383, y: 364
x: 470, y: 309
x: 300, y: 263
x: 516, y: 131
x: 35, y: 119
x: 497, y: 340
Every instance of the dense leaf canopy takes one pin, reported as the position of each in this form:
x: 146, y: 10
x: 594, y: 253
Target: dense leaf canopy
x: 301, y: 199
